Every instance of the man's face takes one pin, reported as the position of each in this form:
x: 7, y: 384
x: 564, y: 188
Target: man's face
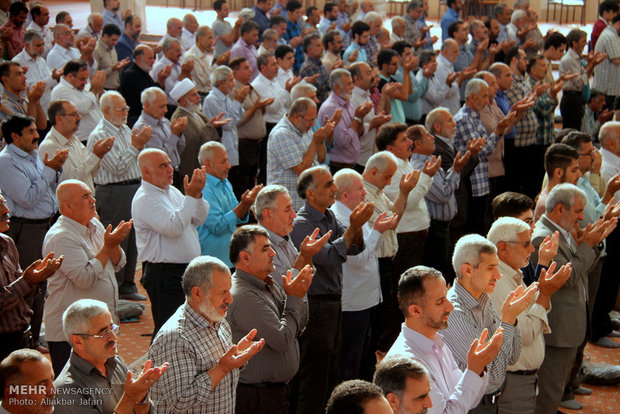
x: 504, y: 81
x: 332, y: 15
x: 100, y: 349
x: 426, y: 145
x: 251, y: 37
x: 539, y: 70
x: 70, y: 121
x: 159, y: 171
x: 586, y: 159
x: 97, y: 24
x: 407, y: 53
x: 490, y: 80
x: 145, y: 60
x: 504, y: 16
x: 345, y: 88
x: 193, y: 97
x: 461, y: 34
x: 174, y: 52
x: 579, y: 45
x: 216, y: 302
x: 4, y: 215
x: 363, y: 38
x: 572, y: 173
x: 206, y: 42
x: 218, y: 166
x: 280, y: 28
x: 480, y: 32
x: 282, y: 216
x: 79, y: 79
x: 287, y: 61
x: 35, y: 48
x: 451, y: 52
x: 118, y: 111
x: 337, y: 45
x: 260, y: 263
x: 575, y: 213
x: 315, y: 49
x: 365, y: 78
x: 486, y: 274
x: 556, y: 53
x: 243, y: 73
x: 307, y: 120
x: 314, y: 18
x: 113, y: 5
x: 383, y: 179
x: 157, y: 109
x: 135, y: 28
x: 597, y: 104
x: 68, y: 21
x: 528, y: 217
x: 479, y: 100
x: 517, y: 254
x: 192, y: 24
x: 356, y: 193
x: 522, y: 62
x: 83, y: 205
x: 399, y: 29
x: 448, y: 126
x: 392, y: 67
x: 40, y: 376
x: 265, y: 6
x: 16, y: 79
x: 270, y: 70
x: 494, y: 28
x: 176, y: 28
x: 43, y: 18
x: 436, y: 308
x: 402, y: 146
x: 416, y: 397
x: 224, y: 10
x: 324, y: 193
x: 28, y: 141
x: 110, y: 41
x: 295, y: 14
x: 19, y: 19
x: 416, y: 13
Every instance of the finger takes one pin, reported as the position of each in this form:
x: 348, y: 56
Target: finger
x: 484, y: 335
x: 147, y: 365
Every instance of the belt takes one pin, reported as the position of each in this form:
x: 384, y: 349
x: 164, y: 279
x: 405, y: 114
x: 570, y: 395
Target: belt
x: 491, y: 398
x: 250, y: 140
x: 524, y: 372
x: 265, y: 384
x: 421, y: 233
x: 164, y: 265
x: 126, y: 182
x: 341, y: 164
x: 32, y: 221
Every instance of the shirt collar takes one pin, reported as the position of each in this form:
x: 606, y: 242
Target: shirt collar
x: 214, y: 181
x: 422, y: 342
x: 372, y: 187
x: 314, y: 213
x: 361, y: 92
x: 149, y: 119
x: 506, y: 271
x: 614, y: 159
x: 275, y: 238
x: 251, y: 279
x: 289, y: 125
x: 218, y: 94
x: 20, y: 152
x: 150, y: 187
x: 444, y: 139
x: 422, y: 157
x: 338, y: 100
x: 78, y: 227
x: 87, y: 368
x: 467, y: 300
x: 197, y: 319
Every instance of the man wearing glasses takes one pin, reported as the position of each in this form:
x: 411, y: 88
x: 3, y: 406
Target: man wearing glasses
x: 118, y: 179
x: 92, y: 255
x: 95, y: 379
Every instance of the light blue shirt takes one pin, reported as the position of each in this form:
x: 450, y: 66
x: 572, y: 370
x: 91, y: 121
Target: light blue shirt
x: 413, y: 105
x: 113, y: 18
x: 28, y: 186
x: 214, y: 104
x: 448, y: 17
x: 361, y: 53
x: 215, y: 233
x: 595, y: 207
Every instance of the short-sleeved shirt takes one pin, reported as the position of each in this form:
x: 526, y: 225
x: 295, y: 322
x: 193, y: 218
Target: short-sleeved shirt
x: 220, y: 27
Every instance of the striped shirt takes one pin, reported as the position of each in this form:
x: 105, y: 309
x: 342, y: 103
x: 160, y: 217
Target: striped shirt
x: 467, y: 321
x: 389, y: 246
x: 607, y: 74
x: 121, y: 162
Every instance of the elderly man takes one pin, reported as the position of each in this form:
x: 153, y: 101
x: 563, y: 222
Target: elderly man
x: 412, y: 33
x: 172, y: 58
x: 14, y: 100
x: 292, y: 149
x: 40, y: 18
x: 568, y: 317
x: 94, y: 24
x: 218, y: 102
x: 174, y: 31
x: 320, y: 343
x: 32, y: 57
x: 27, y: 368
x: 118, y: 180
x: 167, y: 241
x: 607, y: 75
x: 81, y: 164
x: 94, y: 365
x: 19, y: 286
x: 475, y: 263
x: 422, y: 298
x: 91, y: 253
x: 72, y: 88
x: 190, y: 25
x: 314, y: 66
x: 279, y: 313
x: 405, y: 384
x: 246, y: 46
x: 135, y: 79
x: 63, y: 50
x: 111, y: 16
x: 106, y: 57
x: 361, y: 286
x: 512, y: 237
x: 14, y: 29
x: 197, y: 341
x: 202, y: 64
x: 225, y: 212
x: 167, y: 136
x: 346, y: 141
x: 199, y: 129
x: 129, y: 39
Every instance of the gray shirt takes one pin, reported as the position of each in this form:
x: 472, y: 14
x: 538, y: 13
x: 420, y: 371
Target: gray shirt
x: 220, y: 27
x: 285, y: 257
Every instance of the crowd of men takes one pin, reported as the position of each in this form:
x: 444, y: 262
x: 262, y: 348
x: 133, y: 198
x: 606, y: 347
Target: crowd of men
x: 328, y: 216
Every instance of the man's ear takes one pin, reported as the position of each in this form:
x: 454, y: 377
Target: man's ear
x: 393, y: 401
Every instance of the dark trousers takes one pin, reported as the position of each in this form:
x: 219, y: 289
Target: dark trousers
x: 608, y: 289
x: 59, y: 353
x: 28, y: 238
x: 524, y: 168
x: 262, y: 164
x: 113, y: 206
x: 360, y: 334
x: 552, y: 377
x: 438, y: 250
x: 478, y: 220
x: 319, y: 368
x: 392, y: 316
x: 262, y: 399
x: 243, y: 176
x: 572, y: 109
x: 10, y: 342
x: 162, y: 282
x: 410, y: 252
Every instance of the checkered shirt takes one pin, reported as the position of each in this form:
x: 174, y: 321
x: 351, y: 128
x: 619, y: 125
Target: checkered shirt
x: 526, y: 127
x: 412, y: 31
x: 544, y: 109
x: 311, y: 67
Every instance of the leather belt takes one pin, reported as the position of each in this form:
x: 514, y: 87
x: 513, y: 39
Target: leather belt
x: 525, y: 372
x: 32, y: 221
x: 126, y: 182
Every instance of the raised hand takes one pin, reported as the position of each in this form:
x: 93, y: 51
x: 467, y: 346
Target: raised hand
x: 178, y: 126
x: 35, y: 92
x: 550, y: 282
x: 353, y: 56
x: 311, y: 245
x: 432, y: 166
x: 483, y: 352
x: 451, y: 78
x: 219, y: 121
x: 42, y: 270
x: 379, y: 120
x: 249, y: 196
x: 361, y: 214
x: 137, y: 390
x: 429, y: 69
x: 474, y: 146
x: 460, y: 161
x: 548, y: 249
x: 103, y: 146
x: 113, y: 238
x: 362, y: 110
x: 408, y: 181
x: 324, y: 132
x: 57, y: 161
x: 139, y: 139
x: 383, y: 222
x: 194, y: 187
x: 300, y: 284
x: 517, y: 301
x: 237, y: 355
x: 242, y: 93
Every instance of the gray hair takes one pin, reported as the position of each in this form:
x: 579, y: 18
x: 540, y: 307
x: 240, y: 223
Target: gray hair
x: 335, y: 78
x: 506, y: 229
x: 270, y: 34
x: 302, y: 90
x: 499, y: 9
x: 202, y: 31
x: 266, y: 198
x: 263, y: 59
x: 381, y: 161
x: 434, y: 117
x: 168, y: 42
x: 468, y: 250
x: 59, y: 26
x: 172, y: 21
x: 305, y: 181
x: 91, y: 17
x: 76, y: 319
x: 564, y: 194
x: 372, y: 17
x: 344, y: 179
x: 448, y: 43
x: 607, y: 132
x: 199, y: 272
x: 300, y: 106
x: 517, y: 15
x: 31, y: 36
x: 474, y: 86
x: 415, y: 4
x: 106, y: 99
x: 399, y: 20
x: 498, y: 68
x: 207, y: 149
x: 520, y: 3
x: 150, y: 94
x: 220, y: 74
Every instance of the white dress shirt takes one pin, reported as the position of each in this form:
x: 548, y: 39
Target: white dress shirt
x: 201, y: 74
x: 85, y: 101
x: 58, y: 56
x: 188, y: 38
x: 170, y: 235
x: 80, y: 164
x: 272, y: 89
x: 171, y: 80
x: 48, y: 37
x: 610, y: 167
x: 367, y: 141
x: 438, y: 93
x: 415, y: 217
x: 81, y: 275
x: 37, y: 71
x: 361, y: 286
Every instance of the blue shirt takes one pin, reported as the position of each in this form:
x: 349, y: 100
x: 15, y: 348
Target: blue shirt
x: 261, y: 19
x: 214, y: 104
x: 28, y: 186
x: 124, y: 47
x: 504, y: 104
x: 421, y: 22
x: 361, y: 54
x: 413, y: 105
x: 448, y: 17
x: 113, y: 18
x: 293, y: 30
x: 215, y: 233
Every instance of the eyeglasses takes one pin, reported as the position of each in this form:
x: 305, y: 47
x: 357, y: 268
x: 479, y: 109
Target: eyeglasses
x: 115, y: 330
x: 125, y: 109
x: 525, y: 245
x: 588, y: 154
x: 72, y: 114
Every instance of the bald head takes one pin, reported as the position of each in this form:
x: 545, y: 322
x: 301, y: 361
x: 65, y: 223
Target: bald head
x: 155, y: 167
x: 75, y: 201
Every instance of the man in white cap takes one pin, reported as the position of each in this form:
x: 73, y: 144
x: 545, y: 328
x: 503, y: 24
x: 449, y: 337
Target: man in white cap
x: 199, y: 129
